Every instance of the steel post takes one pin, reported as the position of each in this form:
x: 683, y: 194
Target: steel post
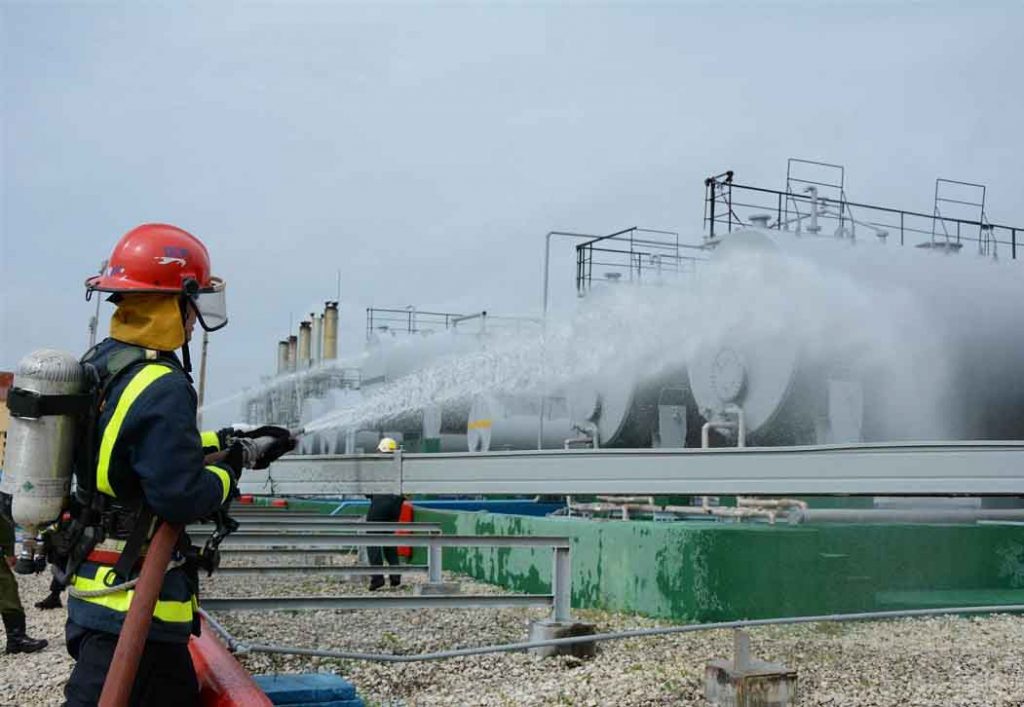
x: 561, y: 584
x: 434, y: 564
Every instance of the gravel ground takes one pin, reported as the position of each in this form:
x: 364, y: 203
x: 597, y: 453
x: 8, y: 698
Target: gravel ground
x: 939, y: 661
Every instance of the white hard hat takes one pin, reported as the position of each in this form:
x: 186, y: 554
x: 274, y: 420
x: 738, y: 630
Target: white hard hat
x: 387, y: 445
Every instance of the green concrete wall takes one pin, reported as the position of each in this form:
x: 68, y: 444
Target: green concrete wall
x: 700, y: 571
x: 706, y: 571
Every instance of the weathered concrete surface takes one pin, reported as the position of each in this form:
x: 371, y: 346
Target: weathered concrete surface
x: 759, y: 685
x: 747, y: 682
x: 703, y: 571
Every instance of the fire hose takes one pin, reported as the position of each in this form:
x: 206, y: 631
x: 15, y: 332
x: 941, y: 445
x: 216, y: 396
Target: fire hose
x: 117, y: 687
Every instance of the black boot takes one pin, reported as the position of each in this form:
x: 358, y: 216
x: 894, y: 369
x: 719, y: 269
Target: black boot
x: 17, y: 641
x: 396, y: 579
x: 376, y: 582
x: 52, y: 601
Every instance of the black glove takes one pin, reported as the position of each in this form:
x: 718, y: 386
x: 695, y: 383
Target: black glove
x: 234, y: 458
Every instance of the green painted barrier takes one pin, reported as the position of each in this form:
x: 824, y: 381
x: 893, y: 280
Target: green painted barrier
x: 707, y: 571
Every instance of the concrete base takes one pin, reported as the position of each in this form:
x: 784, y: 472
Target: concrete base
x: 430, y: 589
x: 759, y: 684
x: 547, y: 629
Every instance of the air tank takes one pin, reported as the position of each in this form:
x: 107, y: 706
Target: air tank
x: 37, y: 470
x: 825, y: 340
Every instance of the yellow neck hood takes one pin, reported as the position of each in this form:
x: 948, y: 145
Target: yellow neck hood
x: 150, y: 320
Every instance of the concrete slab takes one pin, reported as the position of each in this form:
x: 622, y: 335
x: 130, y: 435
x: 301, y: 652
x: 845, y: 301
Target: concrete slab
x: 747, y: 682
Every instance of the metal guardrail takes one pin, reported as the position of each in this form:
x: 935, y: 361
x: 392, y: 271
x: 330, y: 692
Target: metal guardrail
x: 561, y: 572
x: 632, y: 255
x: 728, y: 205
x: 437, y: 601
x: 869, y: 469
x: 305, y: 527
x: 350, y: 570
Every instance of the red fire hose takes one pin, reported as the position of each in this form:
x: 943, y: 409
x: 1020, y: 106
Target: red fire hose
x: 117, y: 689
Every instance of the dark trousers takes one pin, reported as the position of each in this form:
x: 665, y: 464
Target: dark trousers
x: 384, y: 507
x: 166, y: 677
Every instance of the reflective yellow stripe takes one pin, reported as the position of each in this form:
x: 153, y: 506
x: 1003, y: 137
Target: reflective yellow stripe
x: 225, y: 481
x: 479, y: 424
x: 132, y: 391
x: 172, y: 611
x: 210, y: 439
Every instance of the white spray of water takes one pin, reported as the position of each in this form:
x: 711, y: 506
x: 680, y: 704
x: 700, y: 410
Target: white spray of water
x: 882, y: 313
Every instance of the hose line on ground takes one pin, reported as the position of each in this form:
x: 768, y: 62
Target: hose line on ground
x: 241, y: 648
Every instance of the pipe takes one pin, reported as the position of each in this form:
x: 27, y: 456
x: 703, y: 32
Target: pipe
x: 222, y: 681
x: 814, y: 227
x: 740, y: 426
x: 622, y: 635
x: 908, y: 515
x: 547, y: 259
x: 303, y: 350
x: 117, y: 688
x: 330, y: 330
x: 318, y: 337
x: 282, y: 357
x: 293, y: 345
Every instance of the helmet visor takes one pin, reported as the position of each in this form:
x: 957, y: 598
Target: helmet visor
x: 211, y: 306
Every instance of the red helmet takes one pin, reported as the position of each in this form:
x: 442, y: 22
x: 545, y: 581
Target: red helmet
x: 157, y: 257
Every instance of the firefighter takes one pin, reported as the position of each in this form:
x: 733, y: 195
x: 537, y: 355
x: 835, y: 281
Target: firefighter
x: 10, y: 605
x: 147, y: 464
x: 386, y: 507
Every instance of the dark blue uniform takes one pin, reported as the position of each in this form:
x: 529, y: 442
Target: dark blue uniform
x: 149, y: 450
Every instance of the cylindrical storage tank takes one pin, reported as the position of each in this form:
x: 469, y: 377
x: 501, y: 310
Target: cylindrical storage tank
x: 282, y: 357
x: 39, y: 452
x: 824, y: 340
x: 293, y: 352
x: 305, y: 335
x: 504, y: 422
x: 318, y: 337
x: 330, y: 331
x: 628, y: 414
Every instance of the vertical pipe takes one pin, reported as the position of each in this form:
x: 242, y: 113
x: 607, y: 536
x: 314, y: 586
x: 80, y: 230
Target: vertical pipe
x: 202, y: 378
x: 330, y: 330
x: 434, y: 564
x: 711, y: 221
x: 561, y: 585
x: 282, y: 357
x: 293, y: 345
x: 318, y: 337
x: 1013, y: 241
x: 304, y: 348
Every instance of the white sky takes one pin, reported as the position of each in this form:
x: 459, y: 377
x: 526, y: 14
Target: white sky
x: 423, y: 149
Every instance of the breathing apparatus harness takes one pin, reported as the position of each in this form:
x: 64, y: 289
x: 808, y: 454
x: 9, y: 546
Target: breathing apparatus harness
x: 93, y: 517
